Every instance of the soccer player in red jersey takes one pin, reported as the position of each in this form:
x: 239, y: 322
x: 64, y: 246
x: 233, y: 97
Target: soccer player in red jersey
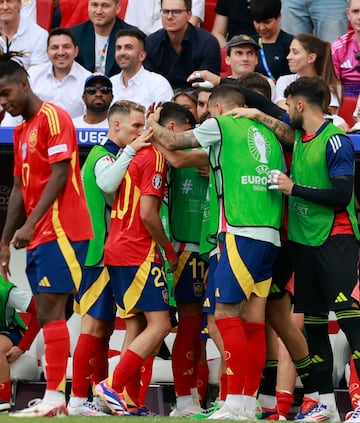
x: 47, y: 214
x: 134, y: 262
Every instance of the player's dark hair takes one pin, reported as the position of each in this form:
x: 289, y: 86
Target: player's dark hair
x: 62, y: 31
x: 11, y: 66
x: 229, y: 94
x: 176, y: 112
x: 256, y: 82
x: 132, y: 32
x: 261, y: 10
x: 312, y: 89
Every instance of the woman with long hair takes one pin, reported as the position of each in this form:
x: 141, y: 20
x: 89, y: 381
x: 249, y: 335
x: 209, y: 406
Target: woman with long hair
x: 311, y: 56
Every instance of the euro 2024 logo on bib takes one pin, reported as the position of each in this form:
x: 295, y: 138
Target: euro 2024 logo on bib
x: 259, y: 146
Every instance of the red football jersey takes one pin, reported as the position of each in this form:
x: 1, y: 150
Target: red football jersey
x: 129, y: 243
x: 50, y: 137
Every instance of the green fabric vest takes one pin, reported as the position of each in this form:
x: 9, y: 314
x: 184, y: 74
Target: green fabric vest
x: 311, y: 223
x: 15, y: 320
x: 186, y: 206
x: 248, y: 152
x: 210, y: 223
x: 96, y: 204
x: 164, y: 216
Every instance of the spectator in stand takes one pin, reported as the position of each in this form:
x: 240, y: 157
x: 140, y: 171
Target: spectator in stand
x: 324, y: 18
x: 242, y: 57
x: 47, y: 214
x: 310, y: 56
x: 15, y: 336
x: 22, y: 34
x: 179, y: 48
x: 346, y: 53
x: 188, y: 99
x: 273, y: 42
x: 232, y: 18
x: 134, y: 82
x: 97, y: 97
x: 61, y: 79
x: 28, y: 10
x: 96, y: 37
x: 146, y: 15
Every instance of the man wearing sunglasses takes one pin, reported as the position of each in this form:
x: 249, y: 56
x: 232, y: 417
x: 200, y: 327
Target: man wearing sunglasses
x: 97, y: 97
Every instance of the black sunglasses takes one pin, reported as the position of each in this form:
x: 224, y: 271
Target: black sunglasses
x: 92, y: 89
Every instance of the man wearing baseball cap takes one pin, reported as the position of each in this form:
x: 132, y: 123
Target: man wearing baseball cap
x: 97, y: 97
x: 242, y: 57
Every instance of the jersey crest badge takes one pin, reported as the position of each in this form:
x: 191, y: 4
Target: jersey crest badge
x: 157, y: 181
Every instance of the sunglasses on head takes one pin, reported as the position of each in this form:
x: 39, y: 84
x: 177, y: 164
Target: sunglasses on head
x: 92, y: 89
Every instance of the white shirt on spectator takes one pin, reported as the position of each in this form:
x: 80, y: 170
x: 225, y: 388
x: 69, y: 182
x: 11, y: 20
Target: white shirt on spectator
x: 30, y: 38
x: 285, y: 80
x: 145, y: 14
x: 28, y: 10
x: 79, y: 122
x: 144, y: 87
x: 66, y: 93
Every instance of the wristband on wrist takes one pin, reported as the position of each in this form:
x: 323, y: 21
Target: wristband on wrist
x: 170, y: 252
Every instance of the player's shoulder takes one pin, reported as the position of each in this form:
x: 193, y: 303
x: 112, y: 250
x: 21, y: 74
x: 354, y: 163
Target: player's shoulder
x: 151, y: 155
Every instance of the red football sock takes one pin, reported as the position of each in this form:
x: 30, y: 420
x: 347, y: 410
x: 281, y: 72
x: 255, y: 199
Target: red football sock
x: 101, y: 369
x: 183, y: 353
x: 5, y: 391
x: 223, y: 387
x: 83, y: 364
x: 236, y: 353
x: 255, y: 335
x: 284, y: 402
x: 132, y: 388
x: 354, y: 385
x: 202, y: 377
x: 128, y: 366
x: 146, y: 374
x: 57, y: 348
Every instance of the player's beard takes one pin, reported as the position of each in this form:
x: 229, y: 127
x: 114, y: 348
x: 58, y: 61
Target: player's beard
x: 297, y: 121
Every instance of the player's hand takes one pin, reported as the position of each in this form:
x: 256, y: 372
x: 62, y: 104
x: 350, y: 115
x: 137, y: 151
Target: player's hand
x: 248, y: 112
x: 153, y: 117
x: 4, y: 261
x: 171, y: 257
x: 23, y: 236
x: 204, y: 79
x: 152, y: 108
x: 204, y: 171
x: 173, y: 264
x: 13, y: 354
x: 278, y: 180
x: 144, y: 140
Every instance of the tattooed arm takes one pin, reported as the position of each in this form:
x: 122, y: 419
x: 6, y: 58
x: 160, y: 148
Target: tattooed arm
x: 283, y: 131
x: 169, y: 139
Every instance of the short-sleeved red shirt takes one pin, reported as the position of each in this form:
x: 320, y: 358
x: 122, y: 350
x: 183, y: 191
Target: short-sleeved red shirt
x: 49, y: 137
x: 129, y: 243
